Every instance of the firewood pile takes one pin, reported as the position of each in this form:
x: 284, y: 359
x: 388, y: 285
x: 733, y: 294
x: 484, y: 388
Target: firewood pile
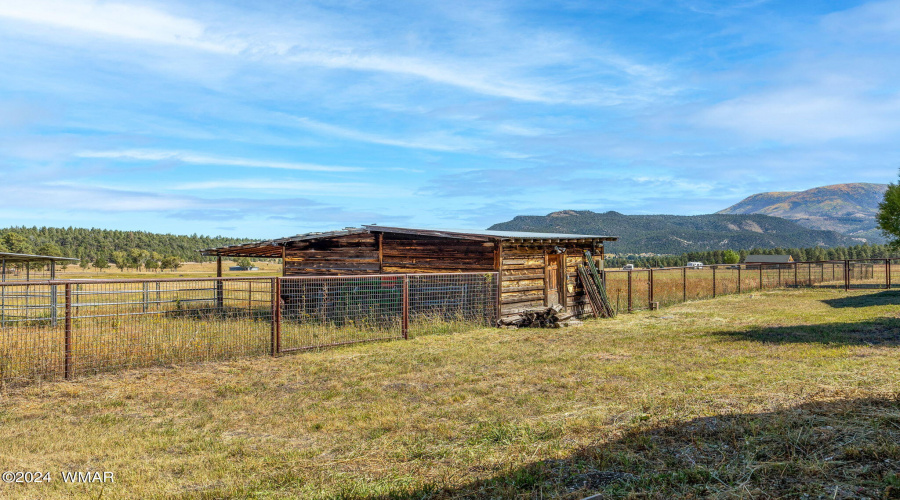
x: 544, y: 317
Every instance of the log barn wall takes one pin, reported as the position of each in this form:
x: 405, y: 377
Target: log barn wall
x: 403, y: 253
x: 522, y: 279
x: 523, y: 274
x: 351, y: 254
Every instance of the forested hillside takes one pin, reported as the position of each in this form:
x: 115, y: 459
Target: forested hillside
x: 93, y: 244
x: 676, y: 234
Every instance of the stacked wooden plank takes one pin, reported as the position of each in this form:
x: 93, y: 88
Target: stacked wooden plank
x: 544, y: 317
x: 599, y: 306
x: 607, y: 309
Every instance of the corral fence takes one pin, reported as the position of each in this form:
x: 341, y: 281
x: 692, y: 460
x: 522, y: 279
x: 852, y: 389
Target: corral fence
x: 64, y: 329
x: 631, y: 290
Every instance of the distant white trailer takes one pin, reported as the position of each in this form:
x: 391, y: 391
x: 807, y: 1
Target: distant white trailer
x: 628, y: 267
x: 695, y: 265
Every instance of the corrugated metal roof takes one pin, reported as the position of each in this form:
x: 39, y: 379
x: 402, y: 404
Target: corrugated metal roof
x: 276, y: 243
x: 492, y: 234
x: 24, y: 257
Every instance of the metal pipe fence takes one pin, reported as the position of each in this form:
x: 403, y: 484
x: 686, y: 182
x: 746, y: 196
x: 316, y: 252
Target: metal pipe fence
x: 65, y: 329
x: 637, y: 289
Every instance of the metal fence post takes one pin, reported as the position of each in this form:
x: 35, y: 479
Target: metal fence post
x: 760, y: 277
x: 498, y: 295
x: 405, y: 306
x: 847, y: 275
x: 276, y: 316
x: 67, y: 349
x: 684, y: 284
x: 714, y: 281
x: 887, y: 273
x: 629, y: 290
x: 650, y: 292
x: 739, y: 278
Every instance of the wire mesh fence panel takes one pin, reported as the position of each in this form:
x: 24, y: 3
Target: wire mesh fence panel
x: 448, y: 303
x: 668, y: 286
x: 617, y: 289
x: 726, y: 280
x: 76, y: 328
x: 31, y: 346
x: 324, y: 311
x: 640, y: 289
x: 118, y: 325
x: 894, y: 273
x: 699, y: 283
x: 867, y: 274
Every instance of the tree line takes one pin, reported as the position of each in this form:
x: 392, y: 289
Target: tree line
x: 104, y: 247
x: 864, y: 251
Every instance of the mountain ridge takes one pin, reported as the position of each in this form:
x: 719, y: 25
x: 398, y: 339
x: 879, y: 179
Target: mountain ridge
x: 848, y: 208
x: 675, y: 234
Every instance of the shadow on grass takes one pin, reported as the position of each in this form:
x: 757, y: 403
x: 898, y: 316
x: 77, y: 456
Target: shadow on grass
x: 883, y: 331
x: 885, y: 298
x: 837, y: 449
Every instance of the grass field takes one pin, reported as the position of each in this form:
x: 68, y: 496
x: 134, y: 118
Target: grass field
x: 776, y: 394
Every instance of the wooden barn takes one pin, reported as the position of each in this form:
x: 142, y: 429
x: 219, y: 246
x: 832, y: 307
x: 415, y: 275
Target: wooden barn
x: 536, y: 269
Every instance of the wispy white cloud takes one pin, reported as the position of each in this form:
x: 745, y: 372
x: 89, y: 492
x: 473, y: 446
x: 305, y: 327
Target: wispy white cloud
x: 435, y: 142
x: 505, y: 71
x: 200, y: 159
x: 293, y: 186
x: 121, y: 20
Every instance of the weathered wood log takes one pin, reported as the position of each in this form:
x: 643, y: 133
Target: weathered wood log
x: 543, y: 317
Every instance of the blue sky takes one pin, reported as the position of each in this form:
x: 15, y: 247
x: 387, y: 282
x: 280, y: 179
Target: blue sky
x: 265, y: 119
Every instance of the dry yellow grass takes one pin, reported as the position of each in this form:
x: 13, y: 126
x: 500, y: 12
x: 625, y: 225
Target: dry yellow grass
x: 773, y: 394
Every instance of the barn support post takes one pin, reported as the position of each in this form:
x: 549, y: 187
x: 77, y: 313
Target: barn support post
x: 629, y: 290
x: 714, y: 281
x: 67, y: 339
x: 404, y: 326
x: 53, y: 297
x: 275, y: 342
x: 220, y: 290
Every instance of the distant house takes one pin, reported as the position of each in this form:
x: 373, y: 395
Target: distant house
x: 768, y: 259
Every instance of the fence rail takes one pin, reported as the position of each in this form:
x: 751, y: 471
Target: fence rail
x: 63, y: 329
x: 637, y: 289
